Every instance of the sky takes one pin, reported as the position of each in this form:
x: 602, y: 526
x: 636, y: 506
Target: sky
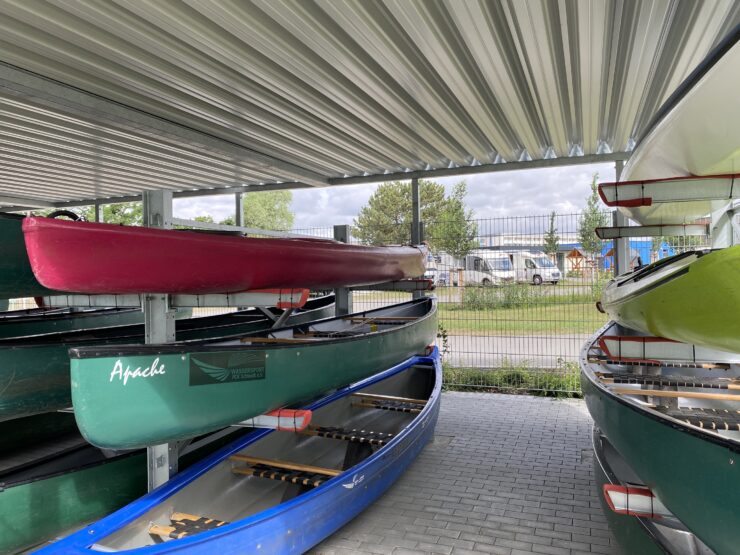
x: 490, y: 195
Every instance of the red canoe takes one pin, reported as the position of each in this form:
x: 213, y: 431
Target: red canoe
x: 87, y: 257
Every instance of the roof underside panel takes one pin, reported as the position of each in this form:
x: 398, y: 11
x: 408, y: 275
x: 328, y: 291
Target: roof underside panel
x: 303, y: 92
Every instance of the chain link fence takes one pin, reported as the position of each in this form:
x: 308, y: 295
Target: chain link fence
x: 514, y: 308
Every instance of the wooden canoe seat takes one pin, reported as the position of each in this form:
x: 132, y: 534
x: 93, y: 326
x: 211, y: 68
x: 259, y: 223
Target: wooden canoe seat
x: 602, y: 360
x: 676, y: 394
x: 375, y: 319
x: 374, y: 397
x: 671, y: 381
x: 389, y: 402
x: 284, y: 340
x: 706, y: 418
x: 353, y: 436
x: 183, y: 525
x: 394, y: 406
x: 272, y: 469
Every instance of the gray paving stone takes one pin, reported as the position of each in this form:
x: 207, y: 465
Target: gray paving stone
x: 495, y: 484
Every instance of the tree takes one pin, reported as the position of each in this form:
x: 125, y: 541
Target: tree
x: 267, y: 210
x: 454, y: 232
x: 591, y: 218
x: 125, y: 213
x: 551, y: 237
x: 386, y: 219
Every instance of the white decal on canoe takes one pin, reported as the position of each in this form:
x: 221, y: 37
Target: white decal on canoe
x: 124, y: 375
x: 355, y: 481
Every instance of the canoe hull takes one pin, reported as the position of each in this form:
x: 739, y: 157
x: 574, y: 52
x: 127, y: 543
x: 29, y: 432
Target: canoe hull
x: 694, y: 473
x: 695, y: 135
x: 41, y: 509
x: 296, y: 525
x: 16, y: 276
x: 34, y: 378
x: 629, y: 531
x: 634, y: 534
x: 181, y: 392
x: 699, y: 306
x: 102, y: 258
x: 38, y: 322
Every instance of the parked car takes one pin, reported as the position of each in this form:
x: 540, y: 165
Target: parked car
x: 534, y: 267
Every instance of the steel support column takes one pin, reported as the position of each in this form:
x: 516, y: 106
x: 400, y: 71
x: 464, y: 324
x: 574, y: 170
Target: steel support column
x: 343, y: 296
x: 239, y: 209
x: 622, y: 254
x: 159, y: 327
x: 417, y: 226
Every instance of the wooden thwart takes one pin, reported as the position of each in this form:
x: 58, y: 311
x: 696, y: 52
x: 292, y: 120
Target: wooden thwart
x: 285, y: 465
x: 676, y: 394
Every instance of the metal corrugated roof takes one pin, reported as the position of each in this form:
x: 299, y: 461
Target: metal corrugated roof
x: 192, y: 94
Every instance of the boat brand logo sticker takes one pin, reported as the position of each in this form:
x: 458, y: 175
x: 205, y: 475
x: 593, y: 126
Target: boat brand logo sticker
x: 355, y: 481
x: 125, y: 375
x: 212, y: 368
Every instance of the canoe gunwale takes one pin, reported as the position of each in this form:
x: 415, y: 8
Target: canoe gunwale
x: 83, y: 540
x: 201, y: 345
x: 664, y: 419
x: 69, y: 337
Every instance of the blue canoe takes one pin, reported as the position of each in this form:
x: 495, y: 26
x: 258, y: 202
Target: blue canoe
x: 246, y: 498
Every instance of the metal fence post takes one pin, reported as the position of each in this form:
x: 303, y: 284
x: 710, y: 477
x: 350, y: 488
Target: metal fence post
x: 342, y: 295
x: 622, y: 254
x: 159, y: 327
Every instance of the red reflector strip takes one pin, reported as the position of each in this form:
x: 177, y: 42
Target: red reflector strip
x: 285, y: 420
x: 634, y: 501
x: 287, y: 298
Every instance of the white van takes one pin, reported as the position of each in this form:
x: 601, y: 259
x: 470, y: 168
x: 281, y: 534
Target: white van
x: 487, y: 268
x: 499, y: 263
x: 534, y: 267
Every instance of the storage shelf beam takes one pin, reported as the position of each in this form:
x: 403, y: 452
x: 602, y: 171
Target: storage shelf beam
x: 669, y: 230
x: 281, y: 298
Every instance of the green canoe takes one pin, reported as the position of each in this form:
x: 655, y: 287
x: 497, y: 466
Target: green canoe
x: 37, y: 321
x: 34, y: 371
x: 675, y: 423
x: 53, y: 481
x: 692, y: 297
x: 138, y: 395
x: 16, y: 277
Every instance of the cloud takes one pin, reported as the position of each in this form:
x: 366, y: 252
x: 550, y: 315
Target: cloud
x: 490, y: 195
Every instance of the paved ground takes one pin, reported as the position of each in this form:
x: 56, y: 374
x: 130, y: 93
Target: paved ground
x: 506, y: 474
